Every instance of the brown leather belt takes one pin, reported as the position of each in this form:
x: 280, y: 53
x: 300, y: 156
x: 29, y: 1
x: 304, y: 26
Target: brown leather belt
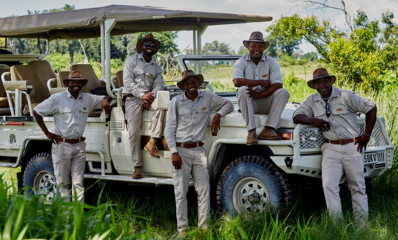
x: 342, y: 142
x: 71, y: 141
x: 129, y: 95
x: 190, y: 145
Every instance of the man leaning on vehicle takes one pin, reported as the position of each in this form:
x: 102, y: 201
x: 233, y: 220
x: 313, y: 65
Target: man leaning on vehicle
x: 187, y: 120
x: 259, y: 80
x: 334, y: 111
x: 70, y: 110
x: 142, y: 78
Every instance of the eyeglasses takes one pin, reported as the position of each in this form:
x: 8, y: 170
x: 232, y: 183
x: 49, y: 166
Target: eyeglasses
x: 150, y: 44
x: 327, y: 109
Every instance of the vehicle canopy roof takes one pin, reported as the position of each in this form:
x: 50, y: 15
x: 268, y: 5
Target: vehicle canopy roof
x: 85, y: 23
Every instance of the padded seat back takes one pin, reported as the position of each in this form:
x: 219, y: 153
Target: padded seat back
x: 43, y: 70
x: 87, y: 71
x: 26, y: 72
x: 119, y: 79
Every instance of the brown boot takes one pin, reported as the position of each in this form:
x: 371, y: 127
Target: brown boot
x: 252, y: 138
x: 152, y: 150
x: 269, y: 134
x: 137, y: 173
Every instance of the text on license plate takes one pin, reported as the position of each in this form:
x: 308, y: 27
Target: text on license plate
x: 374, y: 157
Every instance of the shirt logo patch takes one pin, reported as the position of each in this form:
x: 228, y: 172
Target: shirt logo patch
x: 151, y: 75
x: 84, y: 108
x: 265, y: 75
x: 339, y: 109
x: 204, y: 108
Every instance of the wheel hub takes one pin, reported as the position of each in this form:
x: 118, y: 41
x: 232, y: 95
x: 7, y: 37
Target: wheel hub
x: 250, y: 195
x: 45, y: 185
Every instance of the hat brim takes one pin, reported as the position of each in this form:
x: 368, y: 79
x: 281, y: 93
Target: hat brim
x: 310, y: 83
x: 180, y: 83
x: 140, y: 42
x: 66, y: 81
x: 246, y: 43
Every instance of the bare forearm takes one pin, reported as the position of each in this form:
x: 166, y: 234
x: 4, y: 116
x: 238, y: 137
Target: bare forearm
x: 239, y: 82
x: 302, y: 119
x: 40, y: 122
x: 370, y: 119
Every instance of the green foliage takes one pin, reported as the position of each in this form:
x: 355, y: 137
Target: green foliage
x: 217, y: 48
x: 219, y: 87
x: 243, y: 50
x: 280, y: 45
x: 311, y: 56
x: 286, y: 60
x: 358, y: 58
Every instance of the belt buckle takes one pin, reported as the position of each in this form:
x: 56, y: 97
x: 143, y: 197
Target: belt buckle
x: 341, y: 142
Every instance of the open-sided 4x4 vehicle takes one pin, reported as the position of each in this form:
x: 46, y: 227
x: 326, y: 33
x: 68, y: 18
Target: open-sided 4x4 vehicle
x: 243, y: 178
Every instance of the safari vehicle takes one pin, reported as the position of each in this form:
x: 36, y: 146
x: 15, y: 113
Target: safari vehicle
x: 243, y: 178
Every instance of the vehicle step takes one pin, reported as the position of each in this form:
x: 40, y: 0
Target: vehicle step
x: 128, y: 178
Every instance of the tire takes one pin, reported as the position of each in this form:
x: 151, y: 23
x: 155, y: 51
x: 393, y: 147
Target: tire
x: 253, y: 184
x: 39, y: 178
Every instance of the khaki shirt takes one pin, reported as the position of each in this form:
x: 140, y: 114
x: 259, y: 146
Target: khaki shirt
x: 187, y: 120
x: 267, y: 69
x: 140, y: 77
x: 344, y: 106
x: 70, y: 114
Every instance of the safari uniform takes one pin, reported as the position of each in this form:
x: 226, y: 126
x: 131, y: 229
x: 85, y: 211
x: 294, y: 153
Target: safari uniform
x: 70, y: 117
x: 337, y: 158
x: 141, y: 78
x: 267, y: 69
x: 186, y: 123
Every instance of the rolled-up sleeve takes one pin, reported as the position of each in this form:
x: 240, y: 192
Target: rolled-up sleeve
x: 129, y: 78
x: 360, y: 104
x: 96, y: 102
x: 239, y: 68
x: 171, y: 126
x: 274, y: 71
x: 48, y: 106
x: 222, y: 105
x: 304, y: 109
x: 159, y: 82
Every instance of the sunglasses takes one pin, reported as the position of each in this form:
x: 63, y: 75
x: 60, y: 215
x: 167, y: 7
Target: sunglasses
x: 150, y: 44
x: 327, y: 109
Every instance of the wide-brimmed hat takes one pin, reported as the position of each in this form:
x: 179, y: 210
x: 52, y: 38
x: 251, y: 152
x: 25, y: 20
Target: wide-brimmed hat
x: 187, y: 74
x: 75, y: 76
x: 148, y: 37
x: 256, y: 37
x: 318, y: 74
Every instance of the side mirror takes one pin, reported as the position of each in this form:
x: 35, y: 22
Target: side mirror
x: 162, y: 100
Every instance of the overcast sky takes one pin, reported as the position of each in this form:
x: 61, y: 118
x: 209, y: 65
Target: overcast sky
x: 231, y: 34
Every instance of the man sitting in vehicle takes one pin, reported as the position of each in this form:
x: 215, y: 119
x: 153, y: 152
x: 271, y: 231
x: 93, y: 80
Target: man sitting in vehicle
x: 187, y: 120
x: 259, y: 80
x: 142, y: 78
x: 70, y: 110
x: 334, y: 111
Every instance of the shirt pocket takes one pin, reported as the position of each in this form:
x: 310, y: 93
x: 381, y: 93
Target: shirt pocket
x: 83, y: 114
x: 203, y: 114
x: 150, y: 76
x: 338, y: 109
x: 66, y: 114
x: 320, y: 111
x: 185, y: 116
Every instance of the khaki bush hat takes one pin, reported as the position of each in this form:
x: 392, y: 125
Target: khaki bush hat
x: 187, y: 74
x: 256, y: 37
x: 148, y: 37
x: 318, y: 74
x: 76, y: 76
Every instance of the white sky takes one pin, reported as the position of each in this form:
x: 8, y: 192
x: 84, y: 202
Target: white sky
x: 231, y: 34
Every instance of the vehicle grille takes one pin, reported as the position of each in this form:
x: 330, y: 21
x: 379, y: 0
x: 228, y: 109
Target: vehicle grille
x: 312, y: 137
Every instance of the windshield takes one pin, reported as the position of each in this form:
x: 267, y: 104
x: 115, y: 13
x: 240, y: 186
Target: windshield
x: 217, y: 72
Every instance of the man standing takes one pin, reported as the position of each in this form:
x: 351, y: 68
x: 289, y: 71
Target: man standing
x: 259, y: 80
x: 334, y: 111
x: 187, y: 120
x: 70, y: 110
x: 142, y: 78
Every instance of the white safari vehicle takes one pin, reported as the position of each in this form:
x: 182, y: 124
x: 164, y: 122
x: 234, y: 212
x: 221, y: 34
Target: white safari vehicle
x: 243, y: 178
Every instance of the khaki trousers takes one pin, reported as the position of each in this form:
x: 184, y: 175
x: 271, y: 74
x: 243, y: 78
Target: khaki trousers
x: 194, y: 161
x: 337, y: 159
x: 69, y: 162
x: 134, y: 116
x: 272, y: 105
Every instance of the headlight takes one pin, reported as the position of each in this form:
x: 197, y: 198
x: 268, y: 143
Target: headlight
x: 286, y: 134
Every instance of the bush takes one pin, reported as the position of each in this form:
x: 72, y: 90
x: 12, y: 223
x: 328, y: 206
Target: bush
x: 286, y: 60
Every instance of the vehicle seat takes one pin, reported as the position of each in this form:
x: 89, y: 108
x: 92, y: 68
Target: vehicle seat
x: 43, y: 70
x: 27, y: 72
x: 3, y: 96
x: 119, y: 79
x: 88, y: 72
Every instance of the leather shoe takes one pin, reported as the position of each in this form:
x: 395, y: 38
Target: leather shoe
x: 137, y: 173
x: 152, y: 150
x: 252, y: 138
x: 269, y: 134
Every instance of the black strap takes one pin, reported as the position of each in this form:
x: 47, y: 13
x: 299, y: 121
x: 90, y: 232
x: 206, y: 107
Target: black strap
x: 124, y: 108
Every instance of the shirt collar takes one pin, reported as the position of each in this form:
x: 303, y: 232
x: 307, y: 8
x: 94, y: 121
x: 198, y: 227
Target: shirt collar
x: 142, y: 58
x: 68, y: 95
x: 335, y: 93
x: 262, y: 59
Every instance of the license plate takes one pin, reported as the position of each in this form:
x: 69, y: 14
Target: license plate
x: 374, y: 157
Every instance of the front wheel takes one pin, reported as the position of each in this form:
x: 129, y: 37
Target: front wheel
x: 253, y: 184
x: 39, y: 178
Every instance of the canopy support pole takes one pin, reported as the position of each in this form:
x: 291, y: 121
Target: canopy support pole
x: 102, y: 27
x: 109, y: 24
x: 199, y: 45
x: 194, y: 50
